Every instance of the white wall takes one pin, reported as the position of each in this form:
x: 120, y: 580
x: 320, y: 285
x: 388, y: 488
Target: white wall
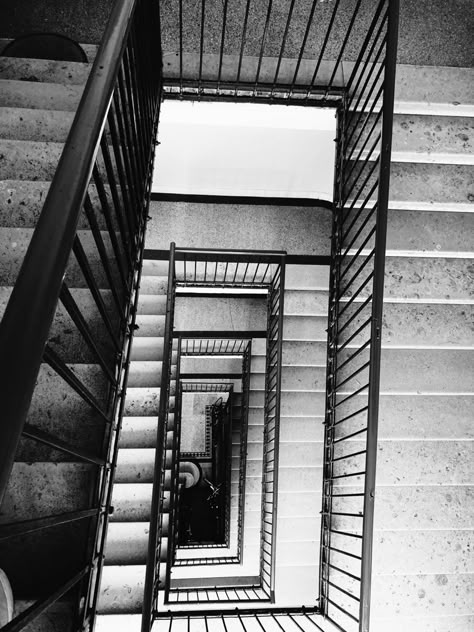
x: 245, y: 149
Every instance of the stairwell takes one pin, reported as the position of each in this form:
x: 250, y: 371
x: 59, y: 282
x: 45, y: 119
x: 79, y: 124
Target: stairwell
x: 424, y: 495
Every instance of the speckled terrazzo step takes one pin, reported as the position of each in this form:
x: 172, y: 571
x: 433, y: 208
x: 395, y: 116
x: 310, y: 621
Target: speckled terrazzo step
x: 42, y: 96
x: 44, y: 70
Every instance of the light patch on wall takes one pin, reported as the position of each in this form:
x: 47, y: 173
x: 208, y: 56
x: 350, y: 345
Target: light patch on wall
x: 245, y: 149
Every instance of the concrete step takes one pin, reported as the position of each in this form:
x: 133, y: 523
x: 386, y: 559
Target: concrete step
x: 426, y: 182
x: 21, y: 202
x: 121, y: 589
x: 434, y: 89
x: 299, y: 479
x: 437, y: 416
x: 419, y: 507
x: 131, y: 502
x: 295, y: 404
x: 27, y: 124
x: 432, y: 462
x: 64, y: 336
x: 146, y: 348
x: 307, y: 328
x: 42, y: 489
x: 42, y: 96
x: 300, y: 454
x: 417, y: 371
x: 306, y: 277
x: 144, y: 373
x: 306, y: 302
x: 14, y: 243
x: 28, y: 160
x: 118, y: 622
x: 155, y: 267
x: 299, y: 429
x: 414, y: 371
x: 151, y: 305
x: 127, y: 543
x: 450, y: 279
x: 436, y: 231
x: 150, y: 325
x: 153, y: 285
x: 54, y: 401
x: 448, y: 593
x: 296, y: 585
x: 295, y: 379
x: 44, y: 70
x: 135, y: 465
x: 142, y: 401
x: 138, y: 432
x: 295, y: 352
x: 426, y: 138
x: 427, y: 552
x: 425, y: 324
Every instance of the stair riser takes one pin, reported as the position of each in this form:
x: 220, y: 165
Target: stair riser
x: 413, y: 371
x: 21, y: 202
x: 26, y: 94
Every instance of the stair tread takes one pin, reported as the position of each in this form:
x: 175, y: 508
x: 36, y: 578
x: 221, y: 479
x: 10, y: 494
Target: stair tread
x: 44, y: 70
x: 47, y: 96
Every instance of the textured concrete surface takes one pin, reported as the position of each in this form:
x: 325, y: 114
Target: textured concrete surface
x: 30, y: 94
x: 433, y: 231
x: 249, y: 227
x: 432, y: 183
x: 220, y: 314
x: 445, y: 26
x: 41, y: 489
x: 14, y: 243
x: 21, y: 201
x: 35, y: 125
x: 44, y: 70
x: 419, y: 277
x: 84, y: 20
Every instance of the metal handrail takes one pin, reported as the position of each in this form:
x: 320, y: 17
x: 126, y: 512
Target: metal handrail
x: 119, y: 107
x: 152, y: 575
x: 29, y: 314
x: 271, y: 437
x: 355, y: 323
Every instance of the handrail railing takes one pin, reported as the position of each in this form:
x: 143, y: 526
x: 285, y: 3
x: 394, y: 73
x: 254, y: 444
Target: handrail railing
x: 213, y: 346
x: 258, y: 51
x: 172, y: 466
x: 155, y: 576
x: 355, y: 323
x: 225, y: 268
x: 271, y: 431
x: 244, y: 424
x: 102, y: 184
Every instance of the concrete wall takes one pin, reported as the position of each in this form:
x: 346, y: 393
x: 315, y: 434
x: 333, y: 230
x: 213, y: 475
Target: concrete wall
x: 298, y: 230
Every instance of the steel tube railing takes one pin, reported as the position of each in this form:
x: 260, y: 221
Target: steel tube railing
x: 90, y: 191
x: 357, y: 270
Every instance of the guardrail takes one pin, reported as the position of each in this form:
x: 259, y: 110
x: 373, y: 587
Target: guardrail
x: 86, y: 250
x: 355, y: 324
